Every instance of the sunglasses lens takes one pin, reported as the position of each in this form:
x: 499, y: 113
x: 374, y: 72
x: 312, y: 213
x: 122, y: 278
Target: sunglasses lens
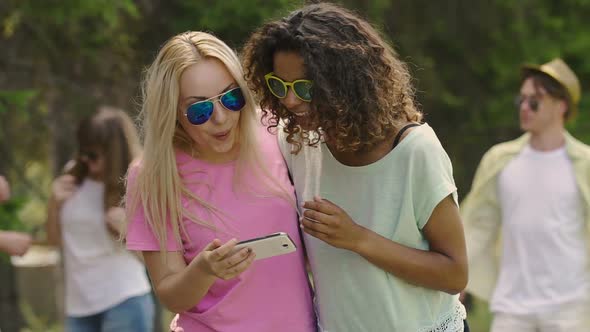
x: 199, y: 113
x: 277, y: 87
x: 89, y: 155
x: 233, y: 100
x: 303, y: 90
x: 532, y: 102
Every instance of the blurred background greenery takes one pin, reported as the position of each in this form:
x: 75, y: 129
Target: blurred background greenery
x: 60, y: 59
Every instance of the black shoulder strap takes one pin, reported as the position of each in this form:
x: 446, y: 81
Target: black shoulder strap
x: 401, y: 132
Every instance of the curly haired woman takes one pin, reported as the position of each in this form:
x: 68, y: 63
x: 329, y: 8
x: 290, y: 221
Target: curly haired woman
x: 381, y: 220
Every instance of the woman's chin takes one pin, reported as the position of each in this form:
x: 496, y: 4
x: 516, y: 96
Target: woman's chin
x: 226, y: 147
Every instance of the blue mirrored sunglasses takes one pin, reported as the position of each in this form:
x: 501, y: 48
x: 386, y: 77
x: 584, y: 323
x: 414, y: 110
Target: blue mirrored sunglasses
x: 199, y: 112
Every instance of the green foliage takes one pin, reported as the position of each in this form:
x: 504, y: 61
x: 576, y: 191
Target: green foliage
x: 230, y: 20
x: 80, y: 25
x: 37, y: 323
x: 479, y: 318
x: 9, y: 218
x: 466, y: 58
x: 16, y: 98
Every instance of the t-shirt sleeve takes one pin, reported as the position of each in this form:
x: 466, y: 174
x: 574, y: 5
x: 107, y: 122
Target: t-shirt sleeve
x: 139, y: 233
x: 432, y: 179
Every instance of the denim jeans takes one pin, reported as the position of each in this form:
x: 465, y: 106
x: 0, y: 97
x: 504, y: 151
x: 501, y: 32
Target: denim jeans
x: 133, y: 314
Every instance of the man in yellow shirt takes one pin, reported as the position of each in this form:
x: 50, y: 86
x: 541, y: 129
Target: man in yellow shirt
x: 527, y: 216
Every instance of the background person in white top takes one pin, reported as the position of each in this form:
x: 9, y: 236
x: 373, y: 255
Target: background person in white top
x: 106, y: 286
x: 543, y: 282
x: 385, y: 240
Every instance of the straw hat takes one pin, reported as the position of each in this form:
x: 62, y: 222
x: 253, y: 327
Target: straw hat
x: 559, y: 71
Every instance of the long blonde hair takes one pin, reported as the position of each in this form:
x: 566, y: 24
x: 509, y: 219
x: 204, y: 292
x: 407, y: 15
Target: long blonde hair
x: 157, y: 185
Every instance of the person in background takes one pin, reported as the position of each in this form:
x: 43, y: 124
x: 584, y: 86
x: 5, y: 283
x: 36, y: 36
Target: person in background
x: 381, y: 219
x: 12, y: 243
x: 210, y: 175
x: 530, y: 199
x: 106, y: 287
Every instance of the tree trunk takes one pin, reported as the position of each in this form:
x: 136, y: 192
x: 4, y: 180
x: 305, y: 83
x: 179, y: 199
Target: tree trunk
x: 10, y: 316
x: 61, y: 131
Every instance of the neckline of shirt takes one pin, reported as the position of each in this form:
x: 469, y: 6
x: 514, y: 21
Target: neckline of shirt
x: 381, y: 163
x: 530, y: 151
x: 183, y: 158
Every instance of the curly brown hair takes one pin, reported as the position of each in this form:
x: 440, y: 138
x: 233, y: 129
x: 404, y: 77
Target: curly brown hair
x: 361, y: 88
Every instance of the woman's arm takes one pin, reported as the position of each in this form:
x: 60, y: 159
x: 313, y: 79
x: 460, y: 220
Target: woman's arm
x: 443, y: 267
x: 14, y: 243
x: 115, y: 219
x: 4, y: 189
x: 61, y: 190
x: 52, y: 227
x: 181, y: 286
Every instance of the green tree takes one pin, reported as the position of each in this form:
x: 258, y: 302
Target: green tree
x: 466, y: 57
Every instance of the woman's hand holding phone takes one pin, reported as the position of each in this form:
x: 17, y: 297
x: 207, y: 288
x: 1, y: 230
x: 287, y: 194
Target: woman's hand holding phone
x: 221, y: 261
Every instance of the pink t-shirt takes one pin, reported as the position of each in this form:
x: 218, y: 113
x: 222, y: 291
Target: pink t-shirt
x: 274, y: 293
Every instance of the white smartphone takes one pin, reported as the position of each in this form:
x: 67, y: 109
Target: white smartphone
x: 268, y: 246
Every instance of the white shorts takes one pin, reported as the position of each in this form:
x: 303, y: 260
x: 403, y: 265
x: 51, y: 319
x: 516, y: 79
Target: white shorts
x: 573, y: 317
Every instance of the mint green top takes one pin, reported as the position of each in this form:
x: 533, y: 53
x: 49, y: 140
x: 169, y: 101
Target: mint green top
x: 393, y: 197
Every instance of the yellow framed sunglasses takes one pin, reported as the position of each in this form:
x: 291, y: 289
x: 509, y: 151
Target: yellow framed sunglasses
x: 279, y: 88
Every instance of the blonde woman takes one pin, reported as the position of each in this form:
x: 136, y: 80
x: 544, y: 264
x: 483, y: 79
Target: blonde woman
x: 211, y: 175
x: 106, y: 286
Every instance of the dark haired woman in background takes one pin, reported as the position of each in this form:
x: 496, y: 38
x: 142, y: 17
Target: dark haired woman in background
x: 106, y: 287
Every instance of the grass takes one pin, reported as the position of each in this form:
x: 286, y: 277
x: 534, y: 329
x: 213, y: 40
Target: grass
x: 479, y: 317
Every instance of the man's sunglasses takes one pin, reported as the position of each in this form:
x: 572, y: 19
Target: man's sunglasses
x: 533, y: 102
x: 199, y: 112
x: 279, y: 88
